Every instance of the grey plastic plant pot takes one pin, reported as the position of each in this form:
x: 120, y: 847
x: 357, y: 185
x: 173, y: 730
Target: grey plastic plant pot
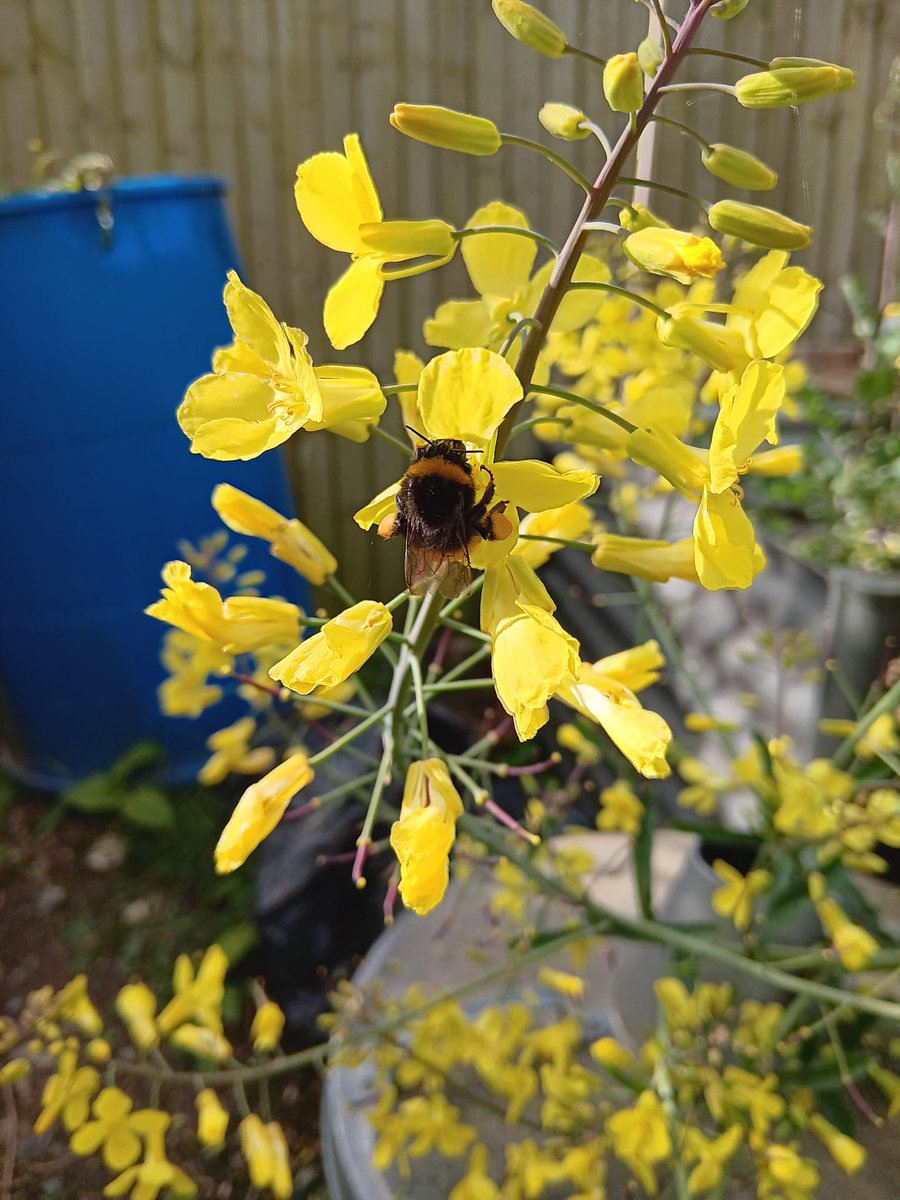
x: 453, y: 945
x: 862, y: 630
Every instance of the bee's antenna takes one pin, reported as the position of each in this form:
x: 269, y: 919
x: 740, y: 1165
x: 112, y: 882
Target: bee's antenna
x: 420, y: 435
x: 473, y: 452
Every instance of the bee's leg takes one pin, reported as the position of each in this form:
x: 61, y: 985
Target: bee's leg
x: 488, y: 495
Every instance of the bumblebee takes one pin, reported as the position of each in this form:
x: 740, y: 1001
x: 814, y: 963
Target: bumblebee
x: 439, y: 517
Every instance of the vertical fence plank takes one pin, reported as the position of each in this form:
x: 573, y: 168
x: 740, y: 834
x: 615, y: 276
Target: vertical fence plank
x: 20, y: 95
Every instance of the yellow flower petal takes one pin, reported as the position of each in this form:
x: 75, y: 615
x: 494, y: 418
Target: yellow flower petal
x: 352, y: 303
x: 532, y: 659
x: 259, y: 810
x: 228, y: 417
x: 747, y: 417
x: 465, y: 394
x: 352, y: 401
x: 641, y: 735
x: 536, y: 486
x: 724, y: 542
x: 335, y: 195
x: 570, y: 521
x: 337, y: 651
x: 254, y: 322
x: 459, y: 323
x: 498, y: 263
x: 377, y: 509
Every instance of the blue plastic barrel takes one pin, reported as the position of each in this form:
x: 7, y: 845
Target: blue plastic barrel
x: 102, y: 330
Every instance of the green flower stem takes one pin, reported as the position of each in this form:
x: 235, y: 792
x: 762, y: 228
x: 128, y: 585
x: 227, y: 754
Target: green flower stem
x: 540, y: 537
x: 350, y: 736
x: 419, y: 635
x: 459, y: 627
x: 615, y: 290
x: 673, y: 654
x: 682, y: 128
x: 520, y: 326
x: 397, y: 602
x: 364, y: 841
x: 636, y: 181
x: 595, y: 201
x: 730, y: 54
x: 599, y: 134
x: 510, y: 139
x: 832, y: 1018
x: 336, y: 793
x: 586, y: 54
x: 517, y: 230
x: 584, y: 403
x: 419, y: 692
x: 663, y: 1082
x: 459, y: 685
x: 697, y: 87
x: 392, y: 389
x: 404, y: 447
x: 524, y: 426
x: 642, y: 929
x: 844, y: 754
x: 663, y: 26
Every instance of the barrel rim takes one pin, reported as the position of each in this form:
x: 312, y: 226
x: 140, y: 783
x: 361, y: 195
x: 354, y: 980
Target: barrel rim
x: 120, y: 191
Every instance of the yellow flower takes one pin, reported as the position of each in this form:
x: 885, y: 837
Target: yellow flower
x: 725, y: 551
x: 136, y: 1005
x: 681, y: 256
x: 712, y: 1155
x: 571, y: 738
x: 115, y: 1128
x: 265, y: 1150
x: 756, y: 1094
x: 735, y: 899
x: 198, y: 997
x: 562, y: 981
x: 212, y: 1119
x: 423, y: 836
x: 236, y: 625
x: 738, y: 167
x: 259, y: 810
x: 532, y: 656
x: 564, y: 121
x: 783, y: 460
x: 72, y: 1003
x: 636, y: 667
x: 783, y: 1173
x: 231, y: 752
x: 848, y: 1154
x: 620, y: 809
x: 262, y: 390
x: 642, y: 736
x: 155, y: 1174
x: 611, y: 1054
x: 500, y: 268
x: 67, y: 1094
x: 759, y: 226
x: 186, y: 691
x: 267, y: 1027
x: 880, y: 738
x: 290, y: 540
x: 202, y: 1042
x: 476, y: 1184
x: 14, y: 1070
x: 640, y: 1137
x: 790, y: 82
x: 337, y: 651
x: 772, y: 305
x: 339, y: 205
x: 889, y: 1083
x: 853, y: 944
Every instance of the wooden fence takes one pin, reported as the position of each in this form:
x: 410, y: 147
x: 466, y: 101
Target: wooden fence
x: 247, y: 88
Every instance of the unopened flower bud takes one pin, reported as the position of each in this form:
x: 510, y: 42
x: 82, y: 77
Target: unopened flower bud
x: 792, y: 82
x: 726, y: 9
x: 447, y: 128
x: 649, y: 56
x: 564, y: 121
x: 738, y: 167
x: 783, y: 460
x: 530, y: 26
x: 759, y: 226
x: 14, y: 1070
x: 638, y: 217
x: 722, y: 348
x: 623, y: 83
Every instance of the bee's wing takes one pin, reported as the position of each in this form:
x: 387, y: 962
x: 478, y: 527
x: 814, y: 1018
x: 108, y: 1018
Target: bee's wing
x: 427, y: 568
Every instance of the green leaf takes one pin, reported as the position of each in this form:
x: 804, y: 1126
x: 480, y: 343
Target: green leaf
x: 148, y: 807
x: 97, y: 793
x: 136, y: 758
